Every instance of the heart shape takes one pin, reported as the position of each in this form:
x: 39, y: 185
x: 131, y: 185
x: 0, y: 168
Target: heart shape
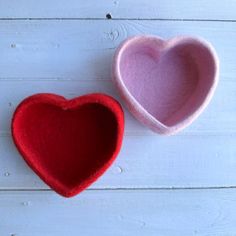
x: 68, y: 143
x: 165, y: 84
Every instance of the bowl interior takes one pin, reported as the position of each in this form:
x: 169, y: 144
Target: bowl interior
x: 169, y: 82
x: 69, y: 145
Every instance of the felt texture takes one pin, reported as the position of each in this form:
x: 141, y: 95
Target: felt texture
x: 68, y: 143
x: 165, y: 84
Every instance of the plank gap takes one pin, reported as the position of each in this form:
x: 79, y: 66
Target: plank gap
x: 113, y: 18
x: 125, y: 189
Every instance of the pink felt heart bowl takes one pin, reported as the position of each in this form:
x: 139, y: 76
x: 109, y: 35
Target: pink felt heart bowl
x: 166, y: 84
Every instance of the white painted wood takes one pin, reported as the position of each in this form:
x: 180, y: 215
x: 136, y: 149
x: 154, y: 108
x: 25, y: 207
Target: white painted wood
x: 119, y: 213
x: 33, y: 54
x: 38, y: 49
x: 218, y: 118
x: 74, y: 57
x: 68, y: 56
x: 157, y: 9
x: 145, y: 162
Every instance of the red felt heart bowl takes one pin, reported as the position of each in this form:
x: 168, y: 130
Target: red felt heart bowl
x: 68, y: 143
x: 166, y: 84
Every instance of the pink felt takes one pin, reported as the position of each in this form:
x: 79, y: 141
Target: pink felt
x: 166, y: 84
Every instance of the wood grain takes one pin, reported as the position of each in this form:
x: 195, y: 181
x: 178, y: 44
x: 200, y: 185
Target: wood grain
x: 119, y: 213
x: 37, y: 49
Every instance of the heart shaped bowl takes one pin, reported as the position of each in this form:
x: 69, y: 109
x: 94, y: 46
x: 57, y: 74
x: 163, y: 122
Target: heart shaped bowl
x: 165, y: 84
x: 68, y: 143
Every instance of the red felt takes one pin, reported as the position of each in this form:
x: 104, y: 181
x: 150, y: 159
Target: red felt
x: 68, y: 143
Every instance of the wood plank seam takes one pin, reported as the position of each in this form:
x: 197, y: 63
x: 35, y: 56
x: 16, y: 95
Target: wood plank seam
x: 113, y: 19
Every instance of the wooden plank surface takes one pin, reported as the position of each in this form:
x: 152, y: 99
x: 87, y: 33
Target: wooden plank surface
x: 36, y: 49
x: 32, y: 55
x: 66, y: 47
x: 33, y: 52
x: 145, y: 162
x: 120, y: 9
x: 119, y: 213
x: 217, y: 119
